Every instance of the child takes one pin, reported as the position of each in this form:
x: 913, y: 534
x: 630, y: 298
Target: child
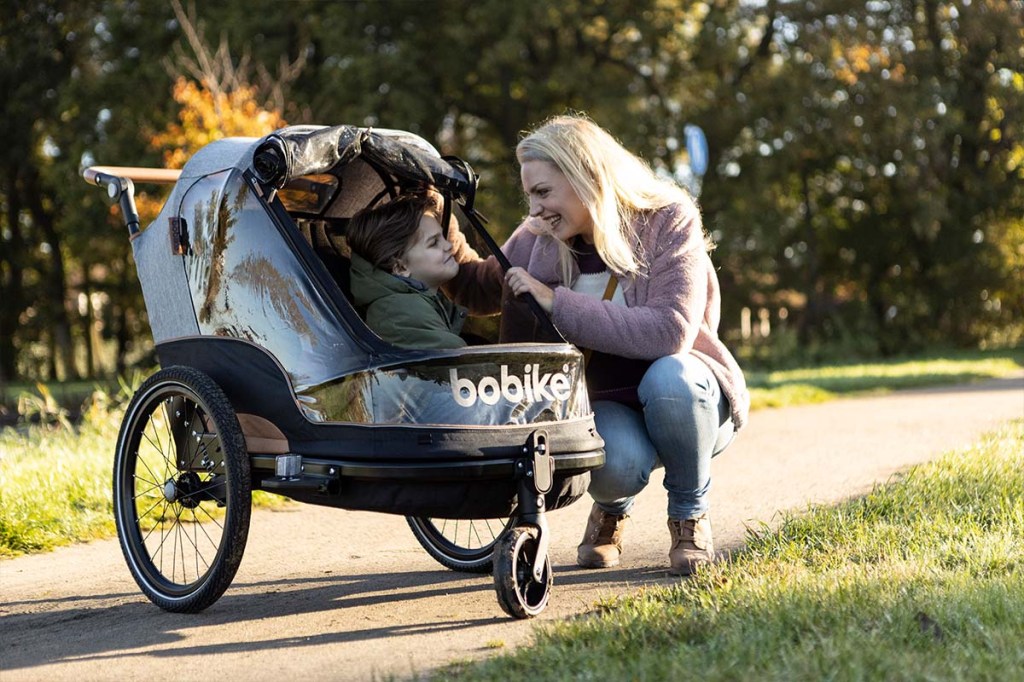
x: 400, y: 257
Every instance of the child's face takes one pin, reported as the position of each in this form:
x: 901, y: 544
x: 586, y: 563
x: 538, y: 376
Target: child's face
x: 429, y: 256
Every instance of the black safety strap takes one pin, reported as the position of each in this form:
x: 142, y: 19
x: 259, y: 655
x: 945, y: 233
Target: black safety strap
x: 538, y: 312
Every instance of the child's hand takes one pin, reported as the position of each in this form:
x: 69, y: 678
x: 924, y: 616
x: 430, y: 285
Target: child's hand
x: 521, y: 282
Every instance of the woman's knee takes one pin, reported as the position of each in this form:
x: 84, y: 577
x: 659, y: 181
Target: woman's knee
x: 681, y: 378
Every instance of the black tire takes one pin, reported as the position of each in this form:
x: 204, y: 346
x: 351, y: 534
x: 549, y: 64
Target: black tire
x: 519, y: 595
x: 182, y: 490
x: 465, y: 545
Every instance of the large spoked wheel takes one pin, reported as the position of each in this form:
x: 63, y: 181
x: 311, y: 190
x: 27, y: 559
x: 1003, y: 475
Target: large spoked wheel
x: 182, y: 490
x: 519, y: 595
x: 461, y: 544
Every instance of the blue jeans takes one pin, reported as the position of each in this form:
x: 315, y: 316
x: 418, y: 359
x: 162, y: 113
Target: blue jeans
x: 684, y: 422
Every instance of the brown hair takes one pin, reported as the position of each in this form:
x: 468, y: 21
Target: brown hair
x: 382, y: 234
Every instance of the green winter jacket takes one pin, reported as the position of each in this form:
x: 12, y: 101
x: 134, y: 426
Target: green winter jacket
x: 402, y: 312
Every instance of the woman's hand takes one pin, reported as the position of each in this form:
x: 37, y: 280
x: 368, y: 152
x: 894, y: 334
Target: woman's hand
x: 521, y: 282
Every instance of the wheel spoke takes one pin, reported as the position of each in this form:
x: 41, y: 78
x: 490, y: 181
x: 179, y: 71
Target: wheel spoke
x: 179, y: 528
x: 168, y: 423
x: 175, y: 535
x: 163, y: 455
x: 163, y: 534
x: 153, y: 485
x: 191, y: 541
x: 476, y: 533
x: 174, y: 552
x: 212, y: 518
x: 502, y: 523
x: 145, y: 463
x: 167, y: 429
x: 155, y: 505
x: 195, y: 541
x: 202, y: 527
x: 183, y: 545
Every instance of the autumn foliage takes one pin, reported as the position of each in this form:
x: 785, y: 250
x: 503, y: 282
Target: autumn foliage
x: 208, y: 114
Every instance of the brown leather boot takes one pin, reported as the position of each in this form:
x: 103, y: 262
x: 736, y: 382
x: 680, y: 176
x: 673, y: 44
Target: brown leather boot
x: 602, y: 541
x: 692, y: 545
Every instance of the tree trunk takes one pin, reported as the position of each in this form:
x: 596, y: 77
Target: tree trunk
x: 50, y: 372
x: 88, y: 324
x: 56, y: 282
x: 11, y: 281
x: 811, y: 318
x: 120, y: 314
x: 121, y: 340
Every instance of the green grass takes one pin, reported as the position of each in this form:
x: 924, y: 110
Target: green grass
x: 56, y: 477
x: 68, y: 394
x: 55, y: 482
x: 921, y: 579
x: 802, y: 386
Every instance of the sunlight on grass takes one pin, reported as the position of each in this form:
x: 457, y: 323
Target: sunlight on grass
x: 920, y: 579
x: 788, y: 396
x: 815, y: 385
x: 55, y: 483
x: 56, y: 479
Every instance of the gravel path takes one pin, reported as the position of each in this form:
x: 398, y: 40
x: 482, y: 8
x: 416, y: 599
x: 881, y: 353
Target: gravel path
x: 326, y: 594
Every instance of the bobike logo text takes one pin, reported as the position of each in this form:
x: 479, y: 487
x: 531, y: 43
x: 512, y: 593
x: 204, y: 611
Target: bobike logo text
x: 531, y: 386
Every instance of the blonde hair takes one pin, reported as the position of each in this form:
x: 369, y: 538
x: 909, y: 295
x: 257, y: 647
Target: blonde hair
x: 614, y: 185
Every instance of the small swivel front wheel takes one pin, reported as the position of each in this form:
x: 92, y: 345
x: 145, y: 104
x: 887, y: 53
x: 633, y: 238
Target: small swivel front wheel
x: 519, y: 593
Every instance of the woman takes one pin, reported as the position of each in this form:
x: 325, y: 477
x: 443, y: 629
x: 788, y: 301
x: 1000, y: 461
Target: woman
x: 618, y: 258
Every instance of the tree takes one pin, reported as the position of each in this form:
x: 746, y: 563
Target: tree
x: 117, y: 91
x: 74, y: 71
x: 866, y: 159
x: 884, y: 178
x: 219, y: 101
x: 40, y: 47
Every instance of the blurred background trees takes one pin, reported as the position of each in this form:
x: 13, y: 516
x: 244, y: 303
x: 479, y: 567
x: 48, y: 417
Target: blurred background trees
x: 866, y: 176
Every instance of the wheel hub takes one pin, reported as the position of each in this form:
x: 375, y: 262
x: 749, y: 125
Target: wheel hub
x: 182, y: 490
x: 170, y: 490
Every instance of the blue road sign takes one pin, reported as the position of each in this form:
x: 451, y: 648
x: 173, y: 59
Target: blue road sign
x: 697, y: 148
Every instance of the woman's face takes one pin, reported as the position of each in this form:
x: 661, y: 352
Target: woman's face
x: 553, y: 200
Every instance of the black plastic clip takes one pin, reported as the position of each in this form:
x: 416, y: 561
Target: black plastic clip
x: 543, y: 462
x: 180, y: 245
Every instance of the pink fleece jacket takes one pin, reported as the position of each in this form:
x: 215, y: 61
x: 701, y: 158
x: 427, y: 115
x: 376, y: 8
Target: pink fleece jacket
x: 673, y: 308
